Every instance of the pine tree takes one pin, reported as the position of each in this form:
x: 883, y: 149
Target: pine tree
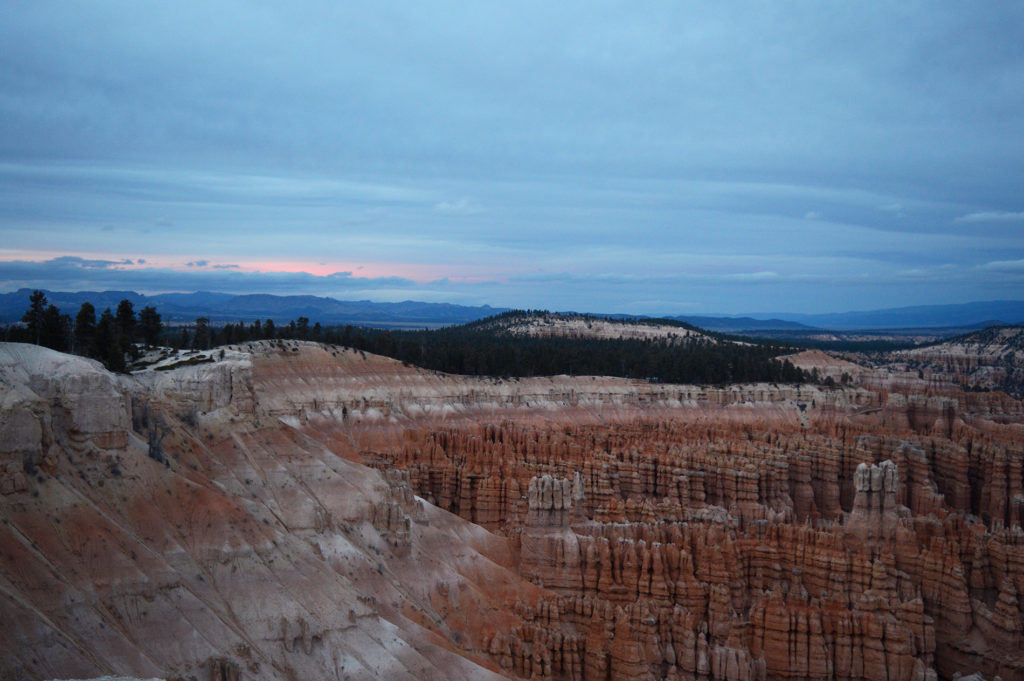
x: 149, y: 321
x: 85, y: 330
x: 56, y: 329
x: 33, y: 317
x: 126, y: 319
x: 126, y: 324
x: 201, y: 341
x: 108, y: 342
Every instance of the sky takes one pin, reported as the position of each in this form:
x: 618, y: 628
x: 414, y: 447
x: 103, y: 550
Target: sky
x: 650, y: 158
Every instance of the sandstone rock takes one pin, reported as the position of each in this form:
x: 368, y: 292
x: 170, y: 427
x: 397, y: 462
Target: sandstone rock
x: 875, y: 513
x: 636, y: 530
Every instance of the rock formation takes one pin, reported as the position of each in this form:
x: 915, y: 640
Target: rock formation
x: 874, y: 516
x: 249, y: 552
x: 988, y: 359
x: 298, y: 511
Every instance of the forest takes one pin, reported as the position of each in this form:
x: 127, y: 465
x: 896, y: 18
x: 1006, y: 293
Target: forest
x: 480, y: 348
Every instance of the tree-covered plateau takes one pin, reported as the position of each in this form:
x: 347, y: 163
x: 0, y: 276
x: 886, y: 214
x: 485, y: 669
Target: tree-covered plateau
x: 481, y: 348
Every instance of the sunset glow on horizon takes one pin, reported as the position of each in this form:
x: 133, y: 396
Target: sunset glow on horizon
x: 415, y: 272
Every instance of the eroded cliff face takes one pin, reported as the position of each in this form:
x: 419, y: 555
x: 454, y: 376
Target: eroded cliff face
x: 780, y: 553
x: 992, y: 358
x: 155, y: 528
x: 294, y: 511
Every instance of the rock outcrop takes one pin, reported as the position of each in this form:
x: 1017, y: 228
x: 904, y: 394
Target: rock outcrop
x: 248, y: 552
x: 875, y: 515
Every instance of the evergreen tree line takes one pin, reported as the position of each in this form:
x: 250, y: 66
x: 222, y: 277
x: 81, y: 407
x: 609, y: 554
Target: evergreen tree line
x: 479, y: 348
x: 112, y: 338
x: 204, y: 335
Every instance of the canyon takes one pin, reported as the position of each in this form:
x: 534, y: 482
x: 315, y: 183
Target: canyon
x: 291, y: 510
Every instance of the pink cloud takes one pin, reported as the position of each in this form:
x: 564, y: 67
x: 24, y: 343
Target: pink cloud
x: 415, y: 272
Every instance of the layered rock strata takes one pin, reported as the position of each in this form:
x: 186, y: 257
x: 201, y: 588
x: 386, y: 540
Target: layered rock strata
x: 231, y: 522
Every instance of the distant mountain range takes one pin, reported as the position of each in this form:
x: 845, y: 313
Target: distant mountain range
x: 738, y: 324
x: 978, y: 314
x: 221, y: 308
x: 961, y: 316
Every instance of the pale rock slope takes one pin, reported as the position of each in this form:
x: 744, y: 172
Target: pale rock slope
x: 825, y: 364
x: 553, y: 325
x: 157, y: 528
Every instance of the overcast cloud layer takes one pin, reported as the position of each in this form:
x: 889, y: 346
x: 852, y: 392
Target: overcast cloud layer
x: 657, y: 157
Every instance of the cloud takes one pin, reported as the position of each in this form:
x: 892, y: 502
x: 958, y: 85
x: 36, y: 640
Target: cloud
x: 992, y: 216
x: 713, y: 285
x: 812, y: 215
x: 85, y: 263
x: 1007, y: 266
x: 754, y: 277
x: 708, y: 276
x: 896, y: 208
x: 463, y: 206
x: 168, y: 186
x: 198, y: 263
x: 70, y: 273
